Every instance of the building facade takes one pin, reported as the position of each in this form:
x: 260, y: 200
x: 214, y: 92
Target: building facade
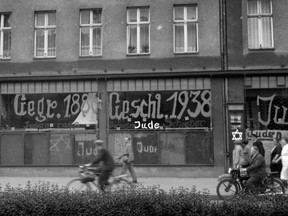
x: 182, y: 79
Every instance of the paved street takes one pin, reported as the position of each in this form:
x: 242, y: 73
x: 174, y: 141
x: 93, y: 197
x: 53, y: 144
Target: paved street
x: 201, y: 184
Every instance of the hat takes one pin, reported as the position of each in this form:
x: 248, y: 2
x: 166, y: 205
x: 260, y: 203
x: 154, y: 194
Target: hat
x: 99, y: 142
x: 245, y: 142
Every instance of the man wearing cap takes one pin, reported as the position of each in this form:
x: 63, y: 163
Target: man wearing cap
x: 258, y: 143
x: 106, y: 161
x: 256, y: 169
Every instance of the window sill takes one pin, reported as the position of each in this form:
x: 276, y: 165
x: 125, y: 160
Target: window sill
x: 90, y: 57
x: 137, y: 54
x: 261, y: 49
x: 186, y: 53
x: 44, y: 58
x: 5, y: 59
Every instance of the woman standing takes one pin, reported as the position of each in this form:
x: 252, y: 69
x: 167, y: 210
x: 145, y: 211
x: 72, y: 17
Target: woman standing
x: 275, y: 154
x: 284, y: 158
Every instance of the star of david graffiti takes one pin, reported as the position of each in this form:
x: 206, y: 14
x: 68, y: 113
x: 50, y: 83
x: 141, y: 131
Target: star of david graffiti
x: 237, y: 135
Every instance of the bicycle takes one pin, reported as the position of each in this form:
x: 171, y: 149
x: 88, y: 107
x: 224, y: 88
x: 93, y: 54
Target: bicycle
x: 233, y: 183
x: 88, y: 175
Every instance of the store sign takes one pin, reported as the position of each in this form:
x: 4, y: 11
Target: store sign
x: 158, y: 110
x: 50, y: 110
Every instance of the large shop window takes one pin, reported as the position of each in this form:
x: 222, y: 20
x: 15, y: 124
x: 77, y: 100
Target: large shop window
x: 266, y: 115
x: 167, y: 127
x: 48, y: 129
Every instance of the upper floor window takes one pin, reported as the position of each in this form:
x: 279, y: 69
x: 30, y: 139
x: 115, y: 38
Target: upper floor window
x: 5, y: 35
x: 138, y: 30
x: 90, y: 32
x: 185, y: 28
x: 45, y: 34
x: 260, y: 24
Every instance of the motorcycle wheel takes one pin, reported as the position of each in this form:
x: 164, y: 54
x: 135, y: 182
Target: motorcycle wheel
x: 226, y: 189
x: 275, y: 186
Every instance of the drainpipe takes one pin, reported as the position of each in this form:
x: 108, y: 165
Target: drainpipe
x: 224, y: 67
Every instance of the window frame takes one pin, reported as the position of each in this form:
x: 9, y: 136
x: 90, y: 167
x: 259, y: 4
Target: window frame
x: 46, y: 28
x: 259, y: 15
x: 2, y: 29
x: 185, y: 23
x: 138, y: 24
x: 91, y: 26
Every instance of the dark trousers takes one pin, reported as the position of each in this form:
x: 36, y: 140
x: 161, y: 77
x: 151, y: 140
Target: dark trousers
x: 103, y: 178
x: 130, y: 167
x: 252, y: 183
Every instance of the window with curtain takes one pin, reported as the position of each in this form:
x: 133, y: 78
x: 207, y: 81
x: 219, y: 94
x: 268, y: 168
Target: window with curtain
x: 91, y: 32
x: 260, y: 24
x: 45, y: 34
x: 185, y: 28
x: 138, y: 30
x: 5, y: 35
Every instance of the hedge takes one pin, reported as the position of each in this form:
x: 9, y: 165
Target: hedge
x: 46, y: 199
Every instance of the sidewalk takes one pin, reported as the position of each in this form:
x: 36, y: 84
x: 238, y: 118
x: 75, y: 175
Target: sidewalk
x: 201, y: 184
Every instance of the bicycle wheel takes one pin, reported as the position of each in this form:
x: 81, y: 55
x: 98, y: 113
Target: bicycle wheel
x: 226, y: 188
x: 275, y: 186
x: 77, y: 185
x: 119, y: 184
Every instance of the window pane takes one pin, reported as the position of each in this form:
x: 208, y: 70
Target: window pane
x: 252, y: 7
x: 96, y: 41
x: 39, y: 42
x: 85, y: 41
x: 179, y: 38
x: 267, y: 32
x: 253, y: 37
x: 144, y: 38
x: 52, y: 42
x: 191, y: 13
x: 192, y: 37
x: 132, y: 32
x: 40, y: 19
x: 179, y: 13
x: 7, y: 43
x: 132, y: 15
x: 144, y: 14
x: 85, y: 17
x: 7, y: 20
x: 51, y: 19
x: 265, y: 7
x: 96, y: 16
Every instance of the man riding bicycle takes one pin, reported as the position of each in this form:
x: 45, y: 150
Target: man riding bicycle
x: 106, y: 162
x: 256, y: 169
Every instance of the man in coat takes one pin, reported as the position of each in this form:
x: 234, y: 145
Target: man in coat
x: 256, y: 169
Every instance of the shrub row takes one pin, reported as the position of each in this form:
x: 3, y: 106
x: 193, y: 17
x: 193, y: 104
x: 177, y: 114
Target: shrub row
x: 45, y: 199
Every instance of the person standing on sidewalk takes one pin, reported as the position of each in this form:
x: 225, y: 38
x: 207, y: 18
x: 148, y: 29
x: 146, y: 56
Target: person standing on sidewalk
x: 128, y: 159
x: 284, y: 158
x: 275, y: 154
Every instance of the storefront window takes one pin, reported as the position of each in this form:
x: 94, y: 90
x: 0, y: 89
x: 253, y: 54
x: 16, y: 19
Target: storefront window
x: 167, y: 127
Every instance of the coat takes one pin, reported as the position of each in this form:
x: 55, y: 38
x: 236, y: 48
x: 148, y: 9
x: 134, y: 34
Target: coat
x: 257, y: 166
x: 128, y: 152
x: 276, y: 166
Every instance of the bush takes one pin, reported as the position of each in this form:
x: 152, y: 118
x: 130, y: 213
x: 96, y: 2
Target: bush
x: 45, y: 199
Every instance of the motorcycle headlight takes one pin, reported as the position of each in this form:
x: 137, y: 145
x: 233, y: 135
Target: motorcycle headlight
x: 229, y: 170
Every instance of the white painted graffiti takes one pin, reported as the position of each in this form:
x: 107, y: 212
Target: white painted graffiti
x: 277, y: 119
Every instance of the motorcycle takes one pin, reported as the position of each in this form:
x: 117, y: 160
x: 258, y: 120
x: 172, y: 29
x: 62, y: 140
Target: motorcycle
x: 233, y: 183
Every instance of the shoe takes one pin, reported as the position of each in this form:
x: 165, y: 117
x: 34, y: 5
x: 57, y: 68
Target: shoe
x: 135, y: 182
